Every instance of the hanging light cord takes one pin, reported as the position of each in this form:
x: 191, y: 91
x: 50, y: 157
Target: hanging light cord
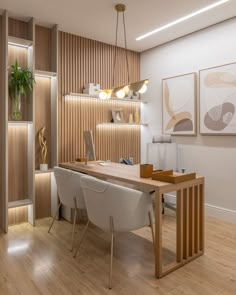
x: 126, y: 55
x: 114, y: 62
x: 116, y: 48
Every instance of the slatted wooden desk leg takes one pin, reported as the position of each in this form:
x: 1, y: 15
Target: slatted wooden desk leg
x: 189, y: 226
x: 158, y: 235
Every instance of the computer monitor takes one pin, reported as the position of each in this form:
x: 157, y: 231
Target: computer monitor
x: 89, y: 145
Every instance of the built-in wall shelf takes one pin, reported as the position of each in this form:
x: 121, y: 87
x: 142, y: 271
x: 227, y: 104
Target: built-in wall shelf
x: 43, y: 172
x: 45, y: 74
x: 19, y: 42
x: 69, y: 96
x: 121, y: 124
x: 20, y: 122
x: 19, y: 203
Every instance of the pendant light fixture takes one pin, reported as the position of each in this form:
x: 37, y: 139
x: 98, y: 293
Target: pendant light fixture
x: 122, y: 91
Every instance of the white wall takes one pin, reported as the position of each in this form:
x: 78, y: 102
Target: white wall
x: 212, y: 156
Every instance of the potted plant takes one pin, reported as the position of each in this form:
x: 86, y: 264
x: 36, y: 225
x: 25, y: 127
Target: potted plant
x: 21, y: 81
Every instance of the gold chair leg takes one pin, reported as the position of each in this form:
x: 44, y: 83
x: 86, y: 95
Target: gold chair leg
x: 152, y: 229
x: 112, y: 247
x: 81, y: 239
x: 73, y: 231
x: 54, y: 217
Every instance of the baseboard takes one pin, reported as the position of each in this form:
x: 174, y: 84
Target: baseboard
x: 210, y: 210
x: 221, y: 213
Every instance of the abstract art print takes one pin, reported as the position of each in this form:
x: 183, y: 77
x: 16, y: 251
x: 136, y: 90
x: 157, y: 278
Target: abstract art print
x: 218, y: 100
x: 179, y: 105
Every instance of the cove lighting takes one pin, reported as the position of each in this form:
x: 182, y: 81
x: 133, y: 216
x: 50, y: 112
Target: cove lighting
x: 182, y: 19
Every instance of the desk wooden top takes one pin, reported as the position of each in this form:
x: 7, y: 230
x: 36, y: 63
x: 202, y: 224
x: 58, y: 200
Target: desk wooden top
x: 126, y: 173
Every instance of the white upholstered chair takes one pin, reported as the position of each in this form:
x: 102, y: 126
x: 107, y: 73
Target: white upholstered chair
x: 69, y: 192
x: 114, y: 208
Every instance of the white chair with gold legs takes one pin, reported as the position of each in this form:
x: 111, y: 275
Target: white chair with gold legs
x: 115, y: 208
x: 70, y: 194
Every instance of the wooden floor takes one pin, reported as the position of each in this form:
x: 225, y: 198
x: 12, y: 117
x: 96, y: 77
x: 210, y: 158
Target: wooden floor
x: 35, y: 262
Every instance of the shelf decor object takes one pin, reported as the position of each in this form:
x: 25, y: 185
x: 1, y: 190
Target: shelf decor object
x: 146, y: 170
x: 217, y: 100
x: 20, y: 82
x: 131, y: 88
x: 172, y: 177
x: 179, y: 105
x: 44, y: 149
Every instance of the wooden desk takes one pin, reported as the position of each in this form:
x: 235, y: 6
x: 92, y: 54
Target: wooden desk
x: 189, y: 211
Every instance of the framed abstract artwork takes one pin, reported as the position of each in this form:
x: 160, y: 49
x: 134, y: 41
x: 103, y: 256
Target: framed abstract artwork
x: 179, y: 105
x: 218, y: 100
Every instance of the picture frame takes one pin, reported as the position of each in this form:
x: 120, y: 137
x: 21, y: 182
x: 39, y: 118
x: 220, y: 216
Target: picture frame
x: 118, y: 115
x: 179, y: 98
x: 217, y: 93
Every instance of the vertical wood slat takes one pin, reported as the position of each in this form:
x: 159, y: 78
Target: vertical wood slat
x: 158, y: 234
x: 197, y: 219
x: 83, y: 61
x: 202, y: 214
x: 179, y: 229
x: 186, y: 223
x: 191, y: 221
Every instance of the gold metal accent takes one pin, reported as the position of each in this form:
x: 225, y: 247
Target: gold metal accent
x: 120, y: 7
x: 43, y: 143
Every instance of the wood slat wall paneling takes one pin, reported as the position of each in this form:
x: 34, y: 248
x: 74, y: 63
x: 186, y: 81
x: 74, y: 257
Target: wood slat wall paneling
x: 18, y: 28
x: 3, y: 125
x: 17, y: 163
x: 17, y: 215
x: 81, y: 61
x: 42, y: 48
x: 43, y: 195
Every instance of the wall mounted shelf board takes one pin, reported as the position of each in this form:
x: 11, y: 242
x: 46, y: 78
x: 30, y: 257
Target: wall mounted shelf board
x: 19, y: 203
x: 121, y: 124
x: 15, y: 41
x: 43, y: 172
x: 84, y: 96
x: 45, y: 74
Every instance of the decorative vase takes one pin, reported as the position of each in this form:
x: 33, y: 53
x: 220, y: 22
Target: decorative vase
x: 136, y: 116
x: 16, y: 107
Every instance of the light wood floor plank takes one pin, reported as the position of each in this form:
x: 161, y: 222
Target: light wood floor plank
x: 35, y: 262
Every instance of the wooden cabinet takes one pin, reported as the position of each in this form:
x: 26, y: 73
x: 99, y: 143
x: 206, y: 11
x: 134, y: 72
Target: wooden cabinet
x: 34, y: 47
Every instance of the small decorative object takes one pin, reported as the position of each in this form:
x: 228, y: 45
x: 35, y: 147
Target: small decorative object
x: 179, y: 105
x: 172, y: 177
x: 43, y: 145
x: 91, y: 88
x: 217, y: 100
x: 118, y: 116
x: 146, y: 170
x: 20, y: 83
x: 131, y: 118
x: 136, y: 116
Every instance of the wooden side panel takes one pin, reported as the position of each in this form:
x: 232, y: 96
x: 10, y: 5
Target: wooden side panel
x: 81, y: 61
x: 42, y: 116
x: 3, y: 121
x: 17, y: 215
x: 179, y: 228
x: 17, y: 163
x: 42, y: 48
x: 18, y: 28
x: 43, y: 195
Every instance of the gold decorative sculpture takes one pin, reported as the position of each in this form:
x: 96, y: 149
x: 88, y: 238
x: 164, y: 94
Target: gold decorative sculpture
x: 43, y: 146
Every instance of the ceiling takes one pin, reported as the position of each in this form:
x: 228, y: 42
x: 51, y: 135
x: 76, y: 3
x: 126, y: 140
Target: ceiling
x: 96, y: 19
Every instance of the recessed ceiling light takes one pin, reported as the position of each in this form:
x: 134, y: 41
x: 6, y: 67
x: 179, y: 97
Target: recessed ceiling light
x: 180, y: 20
